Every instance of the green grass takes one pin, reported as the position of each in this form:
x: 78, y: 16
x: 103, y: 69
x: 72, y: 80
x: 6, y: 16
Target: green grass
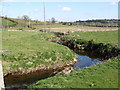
x: 106, y: 37
x: 100, y: 76
x: 37, y: 27
x: 6, y: 22
x: 51, y: 26
x: 31, y: 21
x: 32, y: 49
x: 22, y: 22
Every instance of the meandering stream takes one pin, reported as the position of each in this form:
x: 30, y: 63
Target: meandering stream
x: 84, y: 60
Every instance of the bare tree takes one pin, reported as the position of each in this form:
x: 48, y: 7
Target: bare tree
x: 25, y: 17
x: 53, y: 20
x: 27, y: 20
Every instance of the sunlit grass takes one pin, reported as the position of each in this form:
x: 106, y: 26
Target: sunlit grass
x: 100, y: 76
x: 32, y: 49
x: 103, y: 75
x: 110, y: 37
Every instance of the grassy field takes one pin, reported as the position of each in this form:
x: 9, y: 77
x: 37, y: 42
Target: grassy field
x: 51, y: 26
x: 38, y: 27
x: 6, y: 22
x: 110, y: 37
x: 32, y: 49
x: 100, y: 76
x: 22, y: 24
x: 31, y: 21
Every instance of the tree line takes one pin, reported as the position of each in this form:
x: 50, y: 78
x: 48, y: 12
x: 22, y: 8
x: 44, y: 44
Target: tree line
x: 95, y: 23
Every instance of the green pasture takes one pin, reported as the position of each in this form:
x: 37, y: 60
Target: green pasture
x: 32, y: 49
x: 103, y: 75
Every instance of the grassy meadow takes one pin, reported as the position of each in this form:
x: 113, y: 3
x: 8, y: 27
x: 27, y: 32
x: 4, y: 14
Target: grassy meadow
x: 106, y: 37
x: 21, y: 24
x: 103, y: 75
x: 6, y: 22
x: 100, y: 76
x: 25, y: 50
x: 32, y: 49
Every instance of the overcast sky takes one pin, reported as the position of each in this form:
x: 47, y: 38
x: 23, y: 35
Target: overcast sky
x: 61, y: 11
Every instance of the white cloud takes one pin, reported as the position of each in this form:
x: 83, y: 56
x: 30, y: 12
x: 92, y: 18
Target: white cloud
x: 36, y: 10
x: 66, y: 9
x: 114, y: 3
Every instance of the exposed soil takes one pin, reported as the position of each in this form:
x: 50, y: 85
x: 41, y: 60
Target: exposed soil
x: 31, y: 75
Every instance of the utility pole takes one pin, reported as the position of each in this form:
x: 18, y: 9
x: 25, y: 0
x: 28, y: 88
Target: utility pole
x: 1, y: 70
x: 44, y: 16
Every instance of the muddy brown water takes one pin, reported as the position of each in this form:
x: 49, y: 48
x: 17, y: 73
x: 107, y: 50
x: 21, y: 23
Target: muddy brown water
x: 21, y: 79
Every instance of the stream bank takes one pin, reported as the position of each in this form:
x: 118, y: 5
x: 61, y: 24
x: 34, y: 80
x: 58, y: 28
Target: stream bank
x: 22, y: 78
x: 101, y: 50
x: 73, y: 46
x: 88, y: 52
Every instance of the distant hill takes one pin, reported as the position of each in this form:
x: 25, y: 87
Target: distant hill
x: 12, y: 22
x: 6, y: 22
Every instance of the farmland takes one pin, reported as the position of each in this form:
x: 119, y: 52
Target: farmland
x: 34, y: 48
x: 100, y: 76
x: 21, y: 24
x: 110, y: 37
x: 27, y: 48
x: 6, y: 22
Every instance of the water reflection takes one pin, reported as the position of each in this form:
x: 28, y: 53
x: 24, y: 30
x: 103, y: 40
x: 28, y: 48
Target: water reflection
x: 85, y: 61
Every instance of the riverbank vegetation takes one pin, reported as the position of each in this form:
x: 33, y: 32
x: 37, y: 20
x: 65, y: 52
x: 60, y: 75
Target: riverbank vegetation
x: 102, y: 44
x: 103, y: 75
x: 23, y: 50
x: 107, y: 37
